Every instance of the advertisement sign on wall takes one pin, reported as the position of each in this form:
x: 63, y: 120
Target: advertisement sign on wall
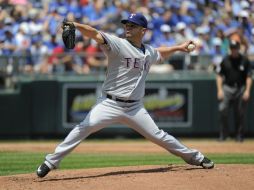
x: 170, y: 105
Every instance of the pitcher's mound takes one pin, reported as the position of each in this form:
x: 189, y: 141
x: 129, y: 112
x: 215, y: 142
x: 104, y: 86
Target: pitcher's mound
x: 162, y: 177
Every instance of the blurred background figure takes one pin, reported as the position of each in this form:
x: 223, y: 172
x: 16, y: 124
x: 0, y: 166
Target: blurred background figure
x: 234, y: 82
x: 217, y: 53
x: 180, y: 35
x: 174, y: 21
x: 166, y: 37
x: 89, y: 56
x: 39, y: 52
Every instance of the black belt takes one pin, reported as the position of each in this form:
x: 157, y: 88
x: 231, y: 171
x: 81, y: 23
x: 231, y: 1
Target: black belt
x: 234, y: 85
x: 120, y: 100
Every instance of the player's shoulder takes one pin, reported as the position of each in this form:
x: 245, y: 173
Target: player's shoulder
x: 149, y: 48
x: 110, y: 36
x: 112, y: 42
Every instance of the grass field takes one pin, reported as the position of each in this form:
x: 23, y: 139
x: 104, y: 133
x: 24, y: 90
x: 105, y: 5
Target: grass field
x: 127, y: 164
x: 26, y: 162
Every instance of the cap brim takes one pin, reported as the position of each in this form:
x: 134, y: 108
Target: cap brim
x: 126, y: 21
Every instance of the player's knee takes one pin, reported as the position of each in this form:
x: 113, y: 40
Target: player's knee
x: 161, y: 135
x: 89, y: 122
x: 88, y: 128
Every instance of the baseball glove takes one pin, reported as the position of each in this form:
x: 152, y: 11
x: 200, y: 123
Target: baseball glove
x: 68, y: 34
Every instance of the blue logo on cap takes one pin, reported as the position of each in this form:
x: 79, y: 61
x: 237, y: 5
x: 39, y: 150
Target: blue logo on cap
x: 137, y: 18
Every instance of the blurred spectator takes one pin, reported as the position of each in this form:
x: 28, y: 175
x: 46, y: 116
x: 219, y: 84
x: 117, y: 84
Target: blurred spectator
x: 39, y: 53
x: 92, y: 56
x: 224, y: 41
x: 80, y: 56
x: 9, y: 44
x: 226, y: 22
x: 174, y: 21
x: 95, y: 57
x: 59, y: 62
x: 52, y: 43
x: 20, y: 2
x: 180, y: 35
x: 204, y: 39
x: 217, y: 53
x: 166, y: 17
x: 165, y: 38
x: 245, y: 23
x: 95, y: 13
x: 23, y: 41
x: 53, y: 21
x: 52, y: 64
x: 212, y: 27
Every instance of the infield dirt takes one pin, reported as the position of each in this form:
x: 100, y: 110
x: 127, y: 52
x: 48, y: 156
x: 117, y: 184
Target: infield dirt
x: 158, y: 177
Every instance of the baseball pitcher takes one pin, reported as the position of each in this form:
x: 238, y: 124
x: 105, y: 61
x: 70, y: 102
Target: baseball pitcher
x: 120, y: 101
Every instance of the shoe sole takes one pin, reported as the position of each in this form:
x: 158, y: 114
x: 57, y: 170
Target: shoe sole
x: 208, y: 165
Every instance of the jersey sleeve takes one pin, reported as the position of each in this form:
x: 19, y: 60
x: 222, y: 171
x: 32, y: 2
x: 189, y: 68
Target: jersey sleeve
x: 155, y: 54
x: 111, y: 45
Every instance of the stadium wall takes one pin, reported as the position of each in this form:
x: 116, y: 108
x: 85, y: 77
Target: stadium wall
x: 48, y: 107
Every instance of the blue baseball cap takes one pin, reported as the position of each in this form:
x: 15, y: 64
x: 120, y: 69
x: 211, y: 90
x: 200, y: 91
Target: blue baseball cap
x: 136, y: 18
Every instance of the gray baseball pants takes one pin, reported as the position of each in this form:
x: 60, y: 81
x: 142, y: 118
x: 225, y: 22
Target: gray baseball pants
x: 232, y: 98
x: 106, y: 112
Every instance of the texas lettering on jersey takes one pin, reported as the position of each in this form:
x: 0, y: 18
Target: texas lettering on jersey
x: 136, y: 63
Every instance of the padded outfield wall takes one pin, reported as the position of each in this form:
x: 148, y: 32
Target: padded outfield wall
x: 184, y: 104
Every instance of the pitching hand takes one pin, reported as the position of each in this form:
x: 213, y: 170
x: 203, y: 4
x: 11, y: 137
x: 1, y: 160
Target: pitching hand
x: 185, y: 47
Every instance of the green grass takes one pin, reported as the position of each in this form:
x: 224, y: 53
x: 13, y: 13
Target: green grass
x: 23, y: 162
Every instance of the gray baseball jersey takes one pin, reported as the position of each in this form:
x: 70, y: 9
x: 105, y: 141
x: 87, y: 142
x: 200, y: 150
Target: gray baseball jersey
x: 128, y: 67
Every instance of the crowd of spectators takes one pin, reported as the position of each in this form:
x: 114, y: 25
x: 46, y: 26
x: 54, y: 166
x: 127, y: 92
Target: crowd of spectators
x: 32, y: 28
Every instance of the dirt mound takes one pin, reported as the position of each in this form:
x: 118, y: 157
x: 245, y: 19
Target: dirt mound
x: 233, y: 177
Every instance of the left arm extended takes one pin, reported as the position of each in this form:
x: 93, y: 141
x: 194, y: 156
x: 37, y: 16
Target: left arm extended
x: 167, y: 51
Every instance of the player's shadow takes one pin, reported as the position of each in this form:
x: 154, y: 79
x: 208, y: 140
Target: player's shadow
x: 153, y: 170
